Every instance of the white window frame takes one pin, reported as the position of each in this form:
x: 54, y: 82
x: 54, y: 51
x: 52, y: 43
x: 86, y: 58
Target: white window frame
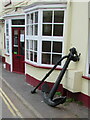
x: 41, y: 38
x: 7, y: 38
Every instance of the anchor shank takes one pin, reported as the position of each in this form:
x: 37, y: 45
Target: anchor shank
x: 55, y: 87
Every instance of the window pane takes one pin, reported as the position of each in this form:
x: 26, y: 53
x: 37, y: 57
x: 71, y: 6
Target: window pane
x: 58, y: 30
x: 7, y: 42
x: 58, y: 16
x: 31, y: 29
x: 22, y: 37
x: 35, y: 29
x: 35, y: 56
x: 47, y: 16
x: 89, y: 68
x: 7, y: 26
x: 8, y: 50
x: 35, y: 45
x: 27, y: 55
x: 46, y: 46
x: 7, y: 32
x: 15, y: 50
x: 47, y: 30
x: 28, y: 30
x: 57, y: 47
x: 7, y: 29
x: 32, y: 18
x: 15, y: 37
x: 46, y: 58
x: 22, y: 48
x: 36, y: 17
x: 55, y: 58
x: 31, y: 55
x: 31, y: 44
x: 7, y: 45
x: 28, y: 19
x: 18, y: 22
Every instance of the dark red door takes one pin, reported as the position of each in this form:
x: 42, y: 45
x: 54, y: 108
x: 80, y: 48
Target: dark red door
x: 18, y: 40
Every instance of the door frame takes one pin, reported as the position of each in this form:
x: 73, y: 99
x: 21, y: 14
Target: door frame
x: 19, y: 45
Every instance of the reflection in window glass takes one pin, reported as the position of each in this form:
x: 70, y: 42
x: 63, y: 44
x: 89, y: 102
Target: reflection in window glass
x: 22, y: 48
x: 27, y: 54
x: 28, y: 18
x: 47, y: 30
x: 27, y: 44
x: 47, y: 16
x: 32, y: 17
x: 58, y: 30
x: 35, y: 29
x: 57, y: 47
x: 15, y: 37
x: 31, y: 55
x: 55, y: 58
x: 7, y: 32
x: 31, y: 44
x: 6, y: 25
x: 18, y: 22
x: 58, y: 16
x: 7, y: 45
x: 7, y: 28
x: 28, y: 31
x: 15, y: 50
x: 35, y: 56
x: 31, y: 30
x: 45, y: 58
x: 35, y: 45
x: 46, y: 46
x: 36, y: 17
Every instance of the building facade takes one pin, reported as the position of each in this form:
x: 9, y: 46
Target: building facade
x: 38, y: 33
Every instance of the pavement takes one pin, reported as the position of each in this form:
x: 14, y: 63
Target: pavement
x: 17, y: 83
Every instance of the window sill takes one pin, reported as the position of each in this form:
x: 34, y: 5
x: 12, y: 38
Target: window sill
x: 44, y: 67
x: 85, y: 77
x: 7, y: 55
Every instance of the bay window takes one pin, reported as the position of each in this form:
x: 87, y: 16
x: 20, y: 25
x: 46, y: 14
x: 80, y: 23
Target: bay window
x: 44, y: 36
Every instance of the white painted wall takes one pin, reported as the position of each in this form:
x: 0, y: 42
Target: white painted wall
x: 76, y: 35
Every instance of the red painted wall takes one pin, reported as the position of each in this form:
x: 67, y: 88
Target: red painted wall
x: 8, y: 67
x: 3, y: 59
x: 77, y: 96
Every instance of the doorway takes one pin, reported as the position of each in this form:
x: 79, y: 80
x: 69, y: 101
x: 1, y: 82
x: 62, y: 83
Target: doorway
x: 18, y: 49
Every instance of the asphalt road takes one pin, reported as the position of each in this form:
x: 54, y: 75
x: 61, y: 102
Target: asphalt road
x: 6, y: 113
x: 12, y: 107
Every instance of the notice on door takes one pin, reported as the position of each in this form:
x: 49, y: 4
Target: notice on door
x: 21, y: 37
